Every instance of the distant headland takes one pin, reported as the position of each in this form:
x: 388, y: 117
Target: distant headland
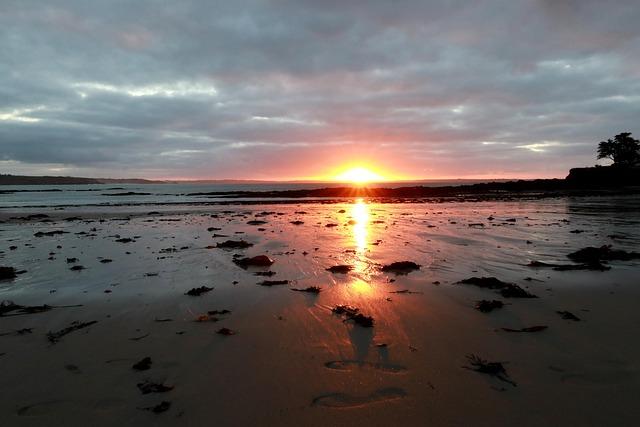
x: 66, y: 180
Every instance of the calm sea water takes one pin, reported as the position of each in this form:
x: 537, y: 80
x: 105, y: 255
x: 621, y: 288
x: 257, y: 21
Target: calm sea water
x: 98, y: 194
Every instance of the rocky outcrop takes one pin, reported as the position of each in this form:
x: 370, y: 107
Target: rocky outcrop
x: 603, y: 177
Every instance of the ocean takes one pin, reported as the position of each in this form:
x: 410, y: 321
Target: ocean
x: 34, y: 196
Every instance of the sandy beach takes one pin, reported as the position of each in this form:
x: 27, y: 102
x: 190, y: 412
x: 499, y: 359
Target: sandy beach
x: 242, y: 353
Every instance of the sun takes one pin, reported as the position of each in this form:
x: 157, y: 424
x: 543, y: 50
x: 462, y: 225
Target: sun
x: 359, y: 175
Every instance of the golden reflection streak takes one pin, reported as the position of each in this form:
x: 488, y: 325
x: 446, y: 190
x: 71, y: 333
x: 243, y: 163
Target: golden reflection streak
x: 359, y: 286
x: 360, y: 230
x: 360, y: 214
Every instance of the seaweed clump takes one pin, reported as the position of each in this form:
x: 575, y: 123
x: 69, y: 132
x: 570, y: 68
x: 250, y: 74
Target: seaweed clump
x: 273, y: 282
x: 234, y: 244
x: 353, y: 314
x: 310, y: 289
x: 400, y: 267
x: 507, y: 290
x: 142, y: 365
x: 567, y: 315
x: 151, y: 387
x: 340, y: 269
x: 487, y: 306
x: 592, y: 254
x: 196, y: 292
x: 159, y: 408
x: 592, y: 266
x: 7, y: 273
x: 7, y: 307
x: 54, y: 337
x: 537, y: 328
x: 256, y: 261
x: 591, y: 258
x: 494, y: 369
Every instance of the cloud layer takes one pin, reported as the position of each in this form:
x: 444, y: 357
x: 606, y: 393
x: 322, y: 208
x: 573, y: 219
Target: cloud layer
x: 293, y: 89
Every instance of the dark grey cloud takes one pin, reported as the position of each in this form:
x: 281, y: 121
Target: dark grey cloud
x: 263, y: 89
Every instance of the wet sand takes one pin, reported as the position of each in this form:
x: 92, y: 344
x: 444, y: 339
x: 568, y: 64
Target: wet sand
x: 292, y: 361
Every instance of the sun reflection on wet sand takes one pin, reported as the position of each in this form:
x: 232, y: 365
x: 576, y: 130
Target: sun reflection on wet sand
x: 359, y: 286
x: 360, y: 235
x: 360, y: 214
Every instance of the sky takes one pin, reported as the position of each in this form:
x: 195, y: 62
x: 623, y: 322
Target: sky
x: 304, y: 89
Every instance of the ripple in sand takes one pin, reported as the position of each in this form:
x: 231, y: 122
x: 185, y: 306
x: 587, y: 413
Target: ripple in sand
x: 348, y: 365
x: 342, y: 400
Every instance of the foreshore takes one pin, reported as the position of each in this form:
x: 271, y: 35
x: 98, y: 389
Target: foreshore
x: 232, y: 344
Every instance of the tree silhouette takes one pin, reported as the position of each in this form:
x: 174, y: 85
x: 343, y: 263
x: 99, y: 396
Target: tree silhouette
x: 622, y: 149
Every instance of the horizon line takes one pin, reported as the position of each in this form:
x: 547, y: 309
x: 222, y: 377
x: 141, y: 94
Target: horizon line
x: 283, y: 181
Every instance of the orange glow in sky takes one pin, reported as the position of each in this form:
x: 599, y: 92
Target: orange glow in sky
x: 359, y: 175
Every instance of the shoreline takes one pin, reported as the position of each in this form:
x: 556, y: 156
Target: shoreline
x: 232, y: 198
